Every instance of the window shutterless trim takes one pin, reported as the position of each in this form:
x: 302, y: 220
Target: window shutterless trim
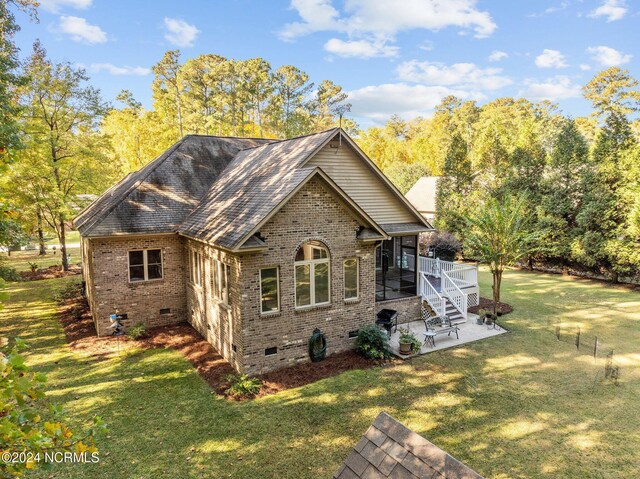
x: 195, y: 258
x: 312, y: 282
x: 344, y: 279
x: 277, y: 310
x: 145, y: 265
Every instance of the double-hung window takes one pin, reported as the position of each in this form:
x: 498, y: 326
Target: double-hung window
x: 220, y: 281
x: 269, y: 290
x: 312, y: 275
x: 351, y: 282
x: 195, y: 268
x: 145, y: 265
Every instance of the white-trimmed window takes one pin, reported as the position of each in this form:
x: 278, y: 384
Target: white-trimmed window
x: 270, y: 290
x: 312, y: 275
x: 195, y: 268
x: 351, y: 278
x: 220, y: 281
x: 145, y: 265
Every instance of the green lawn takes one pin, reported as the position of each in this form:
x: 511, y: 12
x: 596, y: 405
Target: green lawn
x: 71, y: 237
x: 21, y: 259
x: 520, y: 405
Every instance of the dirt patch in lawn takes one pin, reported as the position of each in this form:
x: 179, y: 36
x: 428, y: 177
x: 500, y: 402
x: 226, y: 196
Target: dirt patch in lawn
x: 211, y: 366
x: 487, y: 304
x: 51, y: 272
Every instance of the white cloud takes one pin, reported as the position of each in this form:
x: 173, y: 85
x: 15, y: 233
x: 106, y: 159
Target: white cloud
x: 550, y: 59
x: 360, y: 48
x: 378, y: 102
x: 464, y: 75
x: 82, y: 31
x: 116, y: 70
x: 556, y: 88
x: 498, y: 55
x: 55, y: 6
x: 382, y: 19
x: 584, y: 67
x: 612, y: 9
x: 180, y: 33
x: 552, y: 9
x: 608, y: 57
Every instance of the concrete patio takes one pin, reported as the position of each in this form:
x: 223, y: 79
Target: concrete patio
x: 469, y: 332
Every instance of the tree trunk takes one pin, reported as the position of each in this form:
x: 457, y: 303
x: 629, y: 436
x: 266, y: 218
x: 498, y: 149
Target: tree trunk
x: 63, y: 245
x: 497, y: 280
x: 43, y: 248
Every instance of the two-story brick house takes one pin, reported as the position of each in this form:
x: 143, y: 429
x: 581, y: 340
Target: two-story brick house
x: 256, y: 243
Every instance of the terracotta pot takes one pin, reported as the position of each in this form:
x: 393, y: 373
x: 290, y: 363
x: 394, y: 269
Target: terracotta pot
x: 405, y: 348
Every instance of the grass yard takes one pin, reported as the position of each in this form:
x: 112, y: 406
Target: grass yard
x: 520, y: 405
x: 20, y: 259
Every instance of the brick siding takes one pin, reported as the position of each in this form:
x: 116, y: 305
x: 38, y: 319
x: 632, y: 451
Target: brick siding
x: 106, y: 266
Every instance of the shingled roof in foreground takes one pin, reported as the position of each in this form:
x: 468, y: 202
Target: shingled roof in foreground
x: 391, y: 450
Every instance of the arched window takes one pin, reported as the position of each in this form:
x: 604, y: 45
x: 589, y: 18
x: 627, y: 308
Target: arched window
x: 312, y: 274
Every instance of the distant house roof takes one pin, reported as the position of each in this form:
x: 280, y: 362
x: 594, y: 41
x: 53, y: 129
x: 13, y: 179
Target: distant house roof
x: 221, y: 190
x: 390, y: 450
x: 422, y: 195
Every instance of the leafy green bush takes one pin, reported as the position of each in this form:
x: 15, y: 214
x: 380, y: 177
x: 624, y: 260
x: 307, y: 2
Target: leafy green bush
x: 34, y: 266
x: 30, y: 422
x: 137, y: 331
x: 9, y: 274
x: 372, y: 342
x: 243, y: 386
x: 71, y: 290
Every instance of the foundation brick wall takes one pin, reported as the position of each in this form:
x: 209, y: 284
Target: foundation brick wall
x: 314, y: 213
x: 409, y: 309
x: 106, y: 270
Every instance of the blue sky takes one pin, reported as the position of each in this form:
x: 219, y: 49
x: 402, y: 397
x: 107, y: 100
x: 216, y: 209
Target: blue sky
x: 391, y: 56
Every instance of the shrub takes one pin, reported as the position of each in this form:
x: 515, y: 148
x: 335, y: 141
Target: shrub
x: 445, y: 245
x: 136, y: 331
x: 33, y: 266
x: 243, y: 386
x: 9, y: 273
x: 71, y: 291
x: 372, y: 342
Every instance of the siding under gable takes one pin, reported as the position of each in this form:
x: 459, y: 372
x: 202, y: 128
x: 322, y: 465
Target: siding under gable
x: 349, y: 171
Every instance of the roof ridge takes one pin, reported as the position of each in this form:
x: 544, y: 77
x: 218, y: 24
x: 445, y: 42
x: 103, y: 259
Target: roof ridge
x: 231, y: 137
x: 284, y: 140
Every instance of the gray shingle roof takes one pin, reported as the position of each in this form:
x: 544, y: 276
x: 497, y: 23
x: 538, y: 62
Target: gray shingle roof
x: 251, y: 187
x: 391, y: 450
x: 157, y: 198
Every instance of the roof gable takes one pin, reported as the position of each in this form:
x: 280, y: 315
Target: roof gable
x: 363, y: 181
x: 253, y: 184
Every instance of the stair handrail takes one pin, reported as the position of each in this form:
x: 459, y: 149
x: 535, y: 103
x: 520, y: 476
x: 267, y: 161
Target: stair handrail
x: 456, y: 296
x: 431, y: 295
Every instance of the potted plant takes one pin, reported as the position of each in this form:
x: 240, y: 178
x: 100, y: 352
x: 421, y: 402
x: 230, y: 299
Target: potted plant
x: 409, y: 342
x: 481, y: 314
x: 489, y: 319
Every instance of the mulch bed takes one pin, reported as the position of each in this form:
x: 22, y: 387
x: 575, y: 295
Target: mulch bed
x: 51, y: 272
x: 306, y: 373
x: 210, y: 365
x: 487, y: 304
